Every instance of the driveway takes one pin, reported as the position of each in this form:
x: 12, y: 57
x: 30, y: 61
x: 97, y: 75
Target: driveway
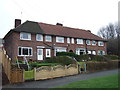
x: 61, y: 81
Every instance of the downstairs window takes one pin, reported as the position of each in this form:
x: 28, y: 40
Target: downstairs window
x: 24, y: 51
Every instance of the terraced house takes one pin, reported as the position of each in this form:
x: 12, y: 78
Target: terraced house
x: 39, y: 40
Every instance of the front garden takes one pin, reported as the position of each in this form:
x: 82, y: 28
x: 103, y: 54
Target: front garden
x: 85, y: 64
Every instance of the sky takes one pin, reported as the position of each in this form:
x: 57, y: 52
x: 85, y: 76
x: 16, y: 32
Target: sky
x: 82, y: 14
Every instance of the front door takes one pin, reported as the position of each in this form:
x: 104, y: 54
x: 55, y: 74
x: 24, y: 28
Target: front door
x: 39, y: 54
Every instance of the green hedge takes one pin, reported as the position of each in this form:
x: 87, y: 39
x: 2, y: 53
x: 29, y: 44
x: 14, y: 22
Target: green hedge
x: 71, y: 54
x: 112, y: 57
x: 88, y: 57
x: 60, y: 59
x: 97, y: 66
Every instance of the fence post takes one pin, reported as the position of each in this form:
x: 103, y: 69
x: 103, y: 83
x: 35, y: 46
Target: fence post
x: 85, y: 66
x: 23, y: 75
x: 34, y: 73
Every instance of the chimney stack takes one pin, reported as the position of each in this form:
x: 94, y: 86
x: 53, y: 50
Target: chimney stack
x: 59, y: 24
x: 17, y: 22
x: 89, y: 31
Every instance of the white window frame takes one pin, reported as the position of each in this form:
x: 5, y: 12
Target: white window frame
x: 78, y: 50
x: 93, y: 42
x: 68, y: 40
x: 28, y: 51
x: 48, y: 38
x: 100, y: 43
x: 59, y: 49
x: 48, y: 51
x: 72, y: 40
x: 94, y: 52
x: 22, y: 38
x: 79, y: 41
x: 40, y: 36
x: 88, y: 43
x: 60, y: 39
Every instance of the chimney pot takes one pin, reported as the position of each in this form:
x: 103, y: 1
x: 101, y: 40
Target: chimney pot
x: 17, y: 22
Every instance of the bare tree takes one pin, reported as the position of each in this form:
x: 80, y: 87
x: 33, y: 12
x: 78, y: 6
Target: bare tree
x: 108, y: 32
x: 112, y: 34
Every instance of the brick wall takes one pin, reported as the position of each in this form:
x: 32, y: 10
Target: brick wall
x: 13, y: 41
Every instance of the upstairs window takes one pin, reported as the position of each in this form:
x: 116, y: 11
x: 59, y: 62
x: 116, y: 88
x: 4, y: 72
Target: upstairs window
x: 79, y: 41
x: 100, y: 43
x: 88, y: 42
x: 25, y: 36
x: 60, y: 39
x: 39, y: 37
x: 72, y: 40
x: 68, y: 40
x: 48, y: 38
x: 93, y: 42
x: 24, y: 51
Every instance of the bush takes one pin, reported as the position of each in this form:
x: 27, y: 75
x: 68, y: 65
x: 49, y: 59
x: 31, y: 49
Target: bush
x: 71, y: 54
x: 112, y: 57
x: 60, y: 59
x: 19, y: 61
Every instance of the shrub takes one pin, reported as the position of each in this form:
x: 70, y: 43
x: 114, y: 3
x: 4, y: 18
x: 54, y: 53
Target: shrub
x: 100, y: 58
x: 19, y: 61
x: 60, y: 59
x: 77, y: 57
x: 71, y: 54
x: 112, y: 57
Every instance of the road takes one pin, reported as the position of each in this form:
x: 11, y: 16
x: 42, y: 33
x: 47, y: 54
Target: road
x: 61, y: 81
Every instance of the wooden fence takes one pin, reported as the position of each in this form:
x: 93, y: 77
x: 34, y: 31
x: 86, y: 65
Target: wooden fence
x: 17, y: 75
x: 6, y: 62
x: 13, y: 75
x: 46, y: 72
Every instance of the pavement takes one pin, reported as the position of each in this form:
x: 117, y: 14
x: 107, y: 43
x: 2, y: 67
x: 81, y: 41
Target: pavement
x: 51, y: 83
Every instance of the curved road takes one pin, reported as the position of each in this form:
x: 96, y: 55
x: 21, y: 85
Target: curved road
x: 61, y: 81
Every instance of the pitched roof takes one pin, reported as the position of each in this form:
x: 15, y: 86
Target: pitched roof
x: 36, y: 27
x: 67, y: 31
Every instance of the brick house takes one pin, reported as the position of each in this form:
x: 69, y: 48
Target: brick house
x: 39, y: 40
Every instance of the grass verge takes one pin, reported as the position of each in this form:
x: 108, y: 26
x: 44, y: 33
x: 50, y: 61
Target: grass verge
x: 110, y: 81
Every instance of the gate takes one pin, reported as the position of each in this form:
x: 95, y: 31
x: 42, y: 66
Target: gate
x: 29, y: 75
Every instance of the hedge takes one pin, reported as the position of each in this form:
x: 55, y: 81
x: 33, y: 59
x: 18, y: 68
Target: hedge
x: 97, y: 66
x: 60, y: 59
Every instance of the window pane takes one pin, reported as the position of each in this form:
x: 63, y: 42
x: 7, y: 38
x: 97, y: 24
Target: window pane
x: 60, y: 39
x: 39, y: 37
x: 19, y: 52
x: 30, y: 51
x: 25, y: 51
x: 68, y: 40
x: 88, y: 42
x: 72, y: 40
x: 79, y: 41
x: 48, y: 38
x: 25, y: 36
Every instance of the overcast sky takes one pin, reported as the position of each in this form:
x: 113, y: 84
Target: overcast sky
x: 83, y: 14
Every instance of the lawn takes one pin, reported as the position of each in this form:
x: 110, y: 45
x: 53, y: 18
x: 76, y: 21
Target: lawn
x: 110, y: 81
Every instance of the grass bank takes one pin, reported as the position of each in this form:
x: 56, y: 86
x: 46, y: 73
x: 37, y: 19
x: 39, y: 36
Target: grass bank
x: 110, y: 81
